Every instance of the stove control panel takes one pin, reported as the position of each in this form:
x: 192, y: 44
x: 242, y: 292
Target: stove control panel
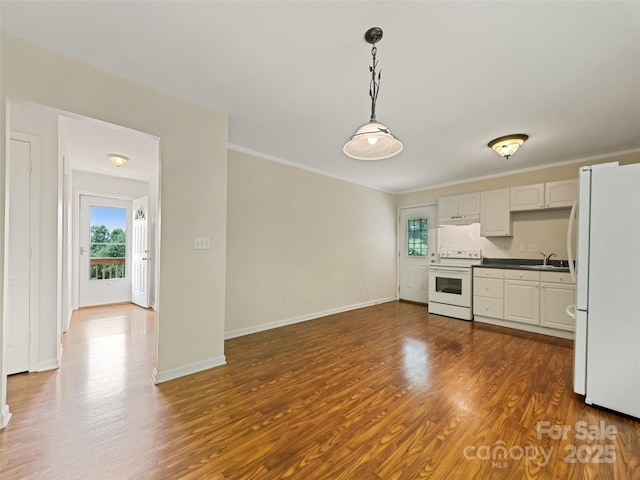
x: 462, y: 253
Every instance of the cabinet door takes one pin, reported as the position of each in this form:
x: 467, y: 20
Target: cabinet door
x: 495, y: 216
x: 448, y: 207
x: 469, y: 204
x: 554, y: 299
x: 560, y: 194
x: 527, y: 197
x: 522, y: 301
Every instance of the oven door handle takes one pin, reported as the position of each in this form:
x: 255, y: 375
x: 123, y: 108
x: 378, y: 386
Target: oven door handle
x: 448, y: 269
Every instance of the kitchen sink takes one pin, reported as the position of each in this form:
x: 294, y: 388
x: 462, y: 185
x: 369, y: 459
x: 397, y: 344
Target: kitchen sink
x: 549, y: 267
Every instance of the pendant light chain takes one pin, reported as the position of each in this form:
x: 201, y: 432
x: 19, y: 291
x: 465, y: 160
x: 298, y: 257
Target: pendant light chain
x: 374, y: 86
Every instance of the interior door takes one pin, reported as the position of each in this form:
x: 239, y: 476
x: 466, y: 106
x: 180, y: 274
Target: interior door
x: 140, y: 253
x: 18, y: 258
x: 417, y: 248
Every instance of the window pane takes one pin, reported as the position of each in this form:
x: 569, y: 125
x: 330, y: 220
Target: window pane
x: 108, y: 245
x: 417, y: 236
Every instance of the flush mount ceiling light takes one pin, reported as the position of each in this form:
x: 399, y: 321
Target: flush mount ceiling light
x: 117, y: 159
x: 373, y: 141
x: 508, y: 145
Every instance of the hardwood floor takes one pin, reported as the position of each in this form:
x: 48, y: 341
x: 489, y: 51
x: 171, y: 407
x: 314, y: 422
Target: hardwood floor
x: 386, y: 392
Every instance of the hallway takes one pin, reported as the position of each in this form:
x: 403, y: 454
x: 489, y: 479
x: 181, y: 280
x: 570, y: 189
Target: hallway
x: 85, y: 419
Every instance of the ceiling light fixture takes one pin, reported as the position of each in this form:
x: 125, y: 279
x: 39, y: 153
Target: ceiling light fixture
x: 373, y: 141
x: 508, y: 145
x: 117, y: 159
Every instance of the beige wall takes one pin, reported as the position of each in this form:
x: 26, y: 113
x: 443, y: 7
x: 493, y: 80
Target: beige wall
x: 301, y: 244
x: 547, y: 229
x: 193, y: 151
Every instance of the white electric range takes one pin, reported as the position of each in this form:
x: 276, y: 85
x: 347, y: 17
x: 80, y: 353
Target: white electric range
x: 450, y: 285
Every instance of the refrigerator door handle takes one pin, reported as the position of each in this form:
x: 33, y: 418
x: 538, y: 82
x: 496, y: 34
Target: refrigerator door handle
x: 571, y: 311
x: 572, y: 217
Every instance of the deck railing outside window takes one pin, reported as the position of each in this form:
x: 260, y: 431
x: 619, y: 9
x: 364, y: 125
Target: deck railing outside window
x: 107, y: 268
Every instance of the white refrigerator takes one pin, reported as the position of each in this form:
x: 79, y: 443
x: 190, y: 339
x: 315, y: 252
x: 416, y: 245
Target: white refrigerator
x: 607, y: 274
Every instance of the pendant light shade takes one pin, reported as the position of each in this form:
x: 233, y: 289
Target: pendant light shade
x: 373, y: 140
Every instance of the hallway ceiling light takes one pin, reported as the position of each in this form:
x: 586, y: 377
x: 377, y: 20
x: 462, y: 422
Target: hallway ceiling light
x: 508, y: 145
x: 373, y: 141
x: 117, y: 159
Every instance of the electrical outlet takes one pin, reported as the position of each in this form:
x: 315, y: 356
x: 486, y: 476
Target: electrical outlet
x: 533, y: 247
x: 201, y: 243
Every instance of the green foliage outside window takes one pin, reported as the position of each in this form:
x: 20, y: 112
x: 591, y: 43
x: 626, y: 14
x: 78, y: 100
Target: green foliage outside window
x: 417, y: 237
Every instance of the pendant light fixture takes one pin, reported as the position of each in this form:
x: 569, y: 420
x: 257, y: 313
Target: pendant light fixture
x: 508, y: 145
x: 373, y: 141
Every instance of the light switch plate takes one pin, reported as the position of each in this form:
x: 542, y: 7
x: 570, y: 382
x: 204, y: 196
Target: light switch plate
x: 201, y: 243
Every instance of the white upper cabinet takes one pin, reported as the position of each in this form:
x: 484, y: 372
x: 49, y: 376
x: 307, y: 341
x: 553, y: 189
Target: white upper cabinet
x: 527, y: 197
x: 544, y: 195
x: 495, y: 215
x: 467, y: 205
x: 560, y: 194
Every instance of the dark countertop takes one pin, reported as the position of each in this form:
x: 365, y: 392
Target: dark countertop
x: 524, y: 264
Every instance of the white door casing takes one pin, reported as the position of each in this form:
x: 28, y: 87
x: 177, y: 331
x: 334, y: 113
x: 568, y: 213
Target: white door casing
x: 21, y: 252
x: 413, y: 270
x: 101, y: 292
x: 140, y: 254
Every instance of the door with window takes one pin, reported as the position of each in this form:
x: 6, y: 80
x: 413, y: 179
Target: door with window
x: 105, y: 247
x: 417, y: 248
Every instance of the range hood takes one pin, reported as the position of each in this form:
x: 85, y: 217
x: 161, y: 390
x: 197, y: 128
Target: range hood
x: 459, y: 220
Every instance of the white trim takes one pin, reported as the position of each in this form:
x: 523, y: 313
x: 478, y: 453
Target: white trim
x: 159, y: 377
x: 302, y: 318
x: 289, y: 163
x: 526, y: 327
x: 5, y: 416
x: 522, y: 170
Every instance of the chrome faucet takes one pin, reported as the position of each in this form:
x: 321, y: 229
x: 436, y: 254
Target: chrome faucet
x: 547, y: 258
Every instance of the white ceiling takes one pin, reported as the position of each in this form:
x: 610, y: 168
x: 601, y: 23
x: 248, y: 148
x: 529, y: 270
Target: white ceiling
x: 293, y: 76
x: 88, y: 143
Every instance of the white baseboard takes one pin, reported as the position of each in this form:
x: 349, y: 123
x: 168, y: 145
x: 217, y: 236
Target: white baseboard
x: 5, y: 416
x: 159, y: 377
x: 302, y: 318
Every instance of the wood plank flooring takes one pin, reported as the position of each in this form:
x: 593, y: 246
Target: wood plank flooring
x: 386, y: 392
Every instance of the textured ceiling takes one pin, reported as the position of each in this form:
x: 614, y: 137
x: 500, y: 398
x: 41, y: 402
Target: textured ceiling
x: 293, y: 76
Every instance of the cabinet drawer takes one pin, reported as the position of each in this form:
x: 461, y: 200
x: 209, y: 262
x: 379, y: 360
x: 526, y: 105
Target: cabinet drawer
x: 488, y: 307
x: 556, y: 277
x: 488, y: 272
x: 488, y: 287
x: 530, y: 275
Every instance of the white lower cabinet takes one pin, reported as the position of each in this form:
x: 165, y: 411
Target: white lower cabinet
x: 556, y: 293
x: 525, y: 299
x: 522, y: 296
x: 488, y: 292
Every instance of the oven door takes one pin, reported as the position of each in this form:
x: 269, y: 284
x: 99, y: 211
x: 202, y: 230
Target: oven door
x: 450, y: 285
